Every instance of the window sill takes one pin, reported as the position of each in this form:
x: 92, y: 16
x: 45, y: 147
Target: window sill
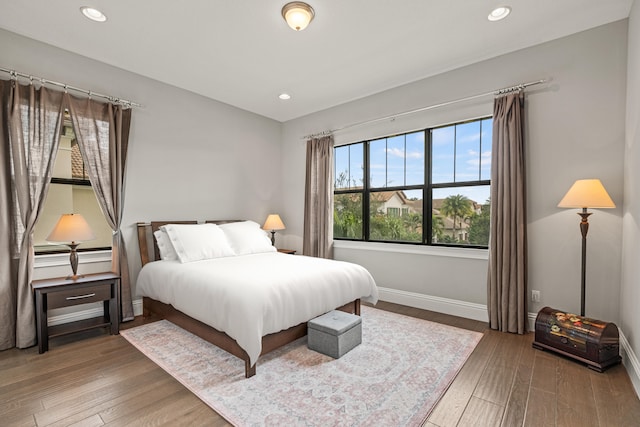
x: 468, y: 253
x: 62, y: 259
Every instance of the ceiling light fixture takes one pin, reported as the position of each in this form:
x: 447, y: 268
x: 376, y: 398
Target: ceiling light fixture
x: 297, y: 14
x: 284, y: 96
x: 499, y: 13
x: 93, y: 14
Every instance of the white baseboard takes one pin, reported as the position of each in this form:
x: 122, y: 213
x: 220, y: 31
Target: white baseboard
x: 532, y: 321
x: 137, y: 307
x: 630, y: 362
x: 453, y: 307
x: 88, y: 313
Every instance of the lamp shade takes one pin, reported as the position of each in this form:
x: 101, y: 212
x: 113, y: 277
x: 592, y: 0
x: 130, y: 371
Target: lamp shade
x: 587, y: 193
x: 273, y: 222
x: 297, y: 14
x: 71, y: 228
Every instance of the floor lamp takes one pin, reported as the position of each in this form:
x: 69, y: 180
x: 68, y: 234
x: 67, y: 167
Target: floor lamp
x: 586, y: 193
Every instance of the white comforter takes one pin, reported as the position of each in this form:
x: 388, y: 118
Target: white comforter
x: 250, y: 296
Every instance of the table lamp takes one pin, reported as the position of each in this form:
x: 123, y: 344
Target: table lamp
x: 71, y: 229
x: 272, y: 224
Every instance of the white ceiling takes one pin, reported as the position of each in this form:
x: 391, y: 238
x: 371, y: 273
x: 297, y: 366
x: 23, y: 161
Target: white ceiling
x: 241, y: 52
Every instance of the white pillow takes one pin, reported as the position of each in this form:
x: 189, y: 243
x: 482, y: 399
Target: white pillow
x: 167, y: 252
x: 247, y: 237
x: 195, y: 242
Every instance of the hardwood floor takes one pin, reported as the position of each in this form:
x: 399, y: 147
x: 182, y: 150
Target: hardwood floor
x: 97, y: 379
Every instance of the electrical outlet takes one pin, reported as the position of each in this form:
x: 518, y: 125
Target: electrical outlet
x: 535, y: 296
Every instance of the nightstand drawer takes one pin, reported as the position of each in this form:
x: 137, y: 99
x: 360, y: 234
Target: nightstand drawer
x: 67, y: 297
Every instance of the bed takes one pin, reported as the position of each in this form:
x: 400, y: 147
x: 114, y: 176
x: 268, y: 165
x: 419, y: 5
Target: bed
x: 244, y: 297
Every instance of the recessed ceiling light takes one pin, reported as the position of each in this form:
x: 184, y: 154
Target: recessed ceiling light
x: 499, y: 13
x: 284, y: 96
x: 93, y: 14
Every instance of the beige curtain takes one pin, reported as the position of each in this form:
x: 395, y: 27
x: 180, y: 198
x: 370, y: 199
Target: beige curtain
x: 31, y: 122
x: 318, y: 198
x: 507, y: 276
x: 102, y: 131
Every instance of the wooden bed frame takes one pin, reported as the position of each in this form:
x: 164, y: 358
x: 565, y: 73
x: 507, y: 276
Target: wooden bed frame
x: 166, y: 311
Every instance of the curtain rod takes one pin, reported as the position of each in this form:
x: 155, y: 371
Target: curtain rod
x: 502, y: 91
x: 124, y: 102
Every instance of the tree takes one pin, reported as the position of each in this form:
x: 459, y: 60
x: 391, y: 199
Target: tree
x: 347, y: 212
x: 479, y: 225
x: 456, y: 206
x: 347, y: 216
x: 437, y: 228
x: 413, y: 222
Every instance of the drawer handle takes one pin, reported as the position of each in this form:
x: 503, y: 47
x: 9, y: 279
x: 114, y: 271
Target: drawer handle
x: 81, y: 296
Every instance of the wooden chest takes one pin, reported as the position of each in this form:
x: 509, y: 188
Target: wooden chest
x: 590, y: 341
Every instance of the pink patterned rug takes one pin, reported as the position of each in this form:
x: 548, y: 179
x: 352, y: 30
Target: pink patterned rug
x: 394, y: 378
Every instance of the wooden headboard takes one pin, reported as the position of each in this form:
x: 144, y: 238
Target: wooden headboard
x: 147, y: 240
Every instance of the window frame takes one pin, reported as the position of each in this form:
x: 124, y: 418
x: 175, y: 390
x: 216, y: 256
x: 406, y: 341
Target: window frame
x: 427, y: 188
x: 83, y: 182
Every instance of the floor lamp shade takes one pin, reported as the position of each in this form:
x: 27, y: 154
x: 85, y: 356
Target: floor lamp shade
x: 586, y: 193
x: 71, y: 229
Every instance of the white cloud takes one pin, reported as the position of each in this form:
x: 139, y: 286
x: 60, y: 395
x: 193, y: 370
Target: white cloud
x: 475, y: 158
x: 474, y: 137
x: 396, y: 152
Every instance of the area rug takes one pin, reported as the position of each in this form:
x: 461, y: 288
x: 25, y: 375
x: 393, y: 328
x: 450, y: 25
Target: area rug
x: 394, y: 378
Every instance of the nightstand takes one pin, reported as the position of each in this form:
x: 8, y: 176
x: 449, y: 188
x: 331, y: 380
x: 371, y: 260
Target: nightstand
x: 61, y: 292
x: 287, y: 251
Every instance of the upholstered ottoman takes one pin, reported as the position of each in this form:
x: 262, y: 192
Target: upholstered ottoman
x: 334, y: 333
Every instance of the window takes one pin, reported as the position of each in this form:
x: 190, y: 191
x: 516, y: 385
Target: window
x: 70, y: 192
x: 383, y: 186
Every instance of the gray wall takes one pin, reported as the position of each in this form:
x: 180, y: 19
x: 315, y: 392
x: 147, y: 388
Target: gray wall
x: 575, y: 129
x: 189, y: 157
x: 630, y: 291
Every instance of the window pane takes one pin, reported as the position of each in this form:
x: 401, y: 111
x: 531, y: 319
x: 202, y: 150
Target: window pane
x: 67, y: 198
x: 348, y: 163
x: 415, y: 158
x: 396, y: 216
x: 395, y: 161
x: 347, y: 216
x: 443, y: 154
x: 356, y: 165
x: 69, y: 163
x: 461, y: 215
x: 467, y: 152
x: 486, y: 143
x: 378, y: 163
x: 341, y: 164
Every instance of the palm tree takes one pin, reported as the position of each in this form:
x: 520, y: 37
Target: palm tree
x: 437, y: 227
x: 456, y: 206
x: 412, y: 221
